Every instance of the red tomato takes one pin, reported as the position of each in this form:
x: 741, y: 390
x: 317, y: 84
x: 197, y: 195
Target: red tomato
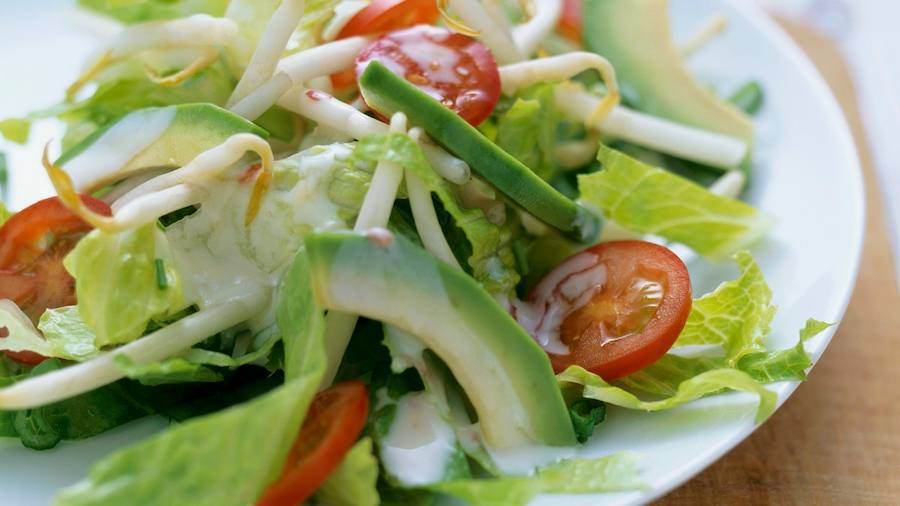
x: 33, y: 244
x: 334, y: 421
x: 386, y: 15
x: 570, y: 20
x: 456, y: 70
x: 617, y: 307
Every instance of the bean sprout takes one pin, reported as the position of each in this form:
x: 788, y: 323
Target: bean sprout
x: 712, y: 28
x: 529, y: 35
x: 493, y: 35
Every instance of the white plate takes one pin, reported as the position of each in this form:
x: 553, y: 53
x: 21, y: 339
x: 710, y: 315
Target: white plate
x: 808, y: 177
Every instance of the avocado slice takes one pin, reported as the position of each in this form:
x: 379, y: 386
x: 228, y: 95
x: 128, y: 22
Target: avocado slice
x: 503, y: 370
x: 389, y: 93
x: 150, y: 138
x: 634, y: 35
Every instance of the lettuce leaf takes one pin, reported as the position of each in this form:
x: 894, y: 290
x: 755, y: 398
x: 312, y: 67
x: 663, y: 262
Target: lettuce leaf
x: 173, y: 370
x: 575, y: 476
x: 123, y: 281
x: 65, y: 335
x: 527, y: 130
x: 139, y: 11
x: 650, y: 200
x: 231, y: 456
x: 491, y: 260
x: 353, y: 482
x: 5, y: 213
x: 736, y: 316
x: 15, y: 130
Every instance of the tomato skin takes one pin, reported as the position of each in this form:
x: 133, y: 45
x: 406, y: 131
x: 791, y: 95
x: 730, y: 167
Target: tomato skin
x: 628, y: 264
x: 386, y: 15
x: 456, y: 70
x: 335, y: 419
x: 33, y: 244
x: 570, y: 20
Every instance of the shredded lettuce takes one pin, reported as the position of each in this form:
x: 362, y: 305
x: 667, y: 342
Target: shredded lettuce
x: 353, y: 482
x: 527, y: 130
x: 650, y: 200
x: 185, y: 464
x: 65, y: 335
x: 491, y: 260
x: 173, y: 370
x: 576, y: 476
x: 118, y: 281
x: 139, y: 11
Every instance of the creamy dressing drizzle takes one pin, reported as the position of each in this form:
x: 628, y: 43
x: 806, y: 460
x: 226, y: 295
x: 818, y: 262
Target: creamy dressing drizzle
x: 559, y: 294
x: 219, y: 257
x: 419, y: 444
x: 109, y: 154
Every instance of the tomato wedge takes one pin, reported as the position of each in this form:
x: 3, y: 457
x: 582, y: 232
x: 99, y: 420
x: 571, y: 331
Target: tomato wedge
x: 335, y: 419
x: 33, y: 244
x: 613, y: 308
x: 386, y: 15
x: 570, y: 20
x: 456, y: 70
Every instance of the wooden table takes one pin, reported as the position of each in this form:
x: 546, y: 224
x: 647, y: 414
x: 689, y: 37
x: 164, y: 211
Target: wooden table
x: 837, y: 440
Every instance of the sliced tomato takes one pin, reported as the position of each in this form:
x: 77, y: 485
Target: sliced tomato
x: 570, y: 20
x: 385, y: 15
x: 335, y: 419
x: 33, y: 244
x: 456, y: 70
x: 613, y: 308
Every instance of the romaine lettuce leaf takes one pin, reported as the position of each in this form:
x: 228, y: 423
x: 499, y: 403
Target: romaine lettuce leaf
x: 231, y: 456
x: 353, y: 482
x: 492, y: 260
x: 650, y: 200
x: 527, y: 130
x: 173, y: 370
x: 65, y: 335
x: 139, y: 11
x: 123, y: 281
x: 575, y: 476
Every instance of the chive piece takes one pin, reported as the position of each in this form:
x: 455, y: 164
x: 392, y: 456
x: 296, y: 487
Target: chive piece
x: 161, y: 280
x: 4, y: 177
x: 748, y: 97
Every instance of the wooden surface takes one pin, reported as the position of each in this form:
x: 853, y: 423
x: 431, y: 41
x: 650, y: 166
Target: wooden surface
x: 837, y: 439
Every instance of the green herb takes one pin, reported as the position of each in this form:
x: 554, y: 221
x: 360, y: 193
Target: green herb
x: 4, y: 177
x: 586, y: 414
x: 748, y: 97
x: 161, y: 280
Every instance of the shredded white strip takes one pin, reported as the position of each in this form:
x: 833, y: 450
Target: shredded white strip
x: 271, y: 45
x: 712, y: 28
x: 297, y: 69
x: 374, y: 213
x: 425, y: 217
x: 207, y: 164
x: 661, y: 135
x: 129, y: 184
x: 199, y: 30
x: 490, y: 33
x: 528, y: 36
x: 516, y: 76
x: 337, y: 115
x: 162, y: 344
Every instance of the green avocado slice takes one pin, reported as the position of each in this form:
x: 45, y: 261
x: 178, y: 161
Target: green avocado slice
x: 150, y: 138
x: 634, y: 35
x: 503, y: 370
x: 389, y: 93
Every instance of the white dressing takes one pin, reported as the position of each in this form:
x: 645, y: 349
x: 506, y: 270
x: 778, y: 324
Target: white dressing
x: 419, y: 444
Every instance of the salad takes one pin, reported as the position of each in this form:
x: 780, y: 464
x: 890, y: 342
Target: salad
x: 368, y: 252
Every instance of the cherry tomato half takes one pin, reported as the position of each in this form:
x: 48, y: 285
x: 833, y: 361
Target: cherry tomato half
x: 385, y: 15
x: 33, y: 244
x: 334, y: 421
x: 613, y: 309
x: 456, y: 70
x: 570, y: 20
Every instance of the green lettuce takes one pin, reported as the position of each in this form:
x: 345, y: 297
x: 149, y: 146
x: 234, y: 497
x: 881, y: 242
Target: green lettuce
x: 5, y: 214
x: 576, y: 476
x: 173, y: 370
x: 62, y: 333
x: 123, y: 281
x: 353, y: 482
x: 15, y: 129
x: 231, y: 456
x: 527, y: 130
x: 491, y: 259
x: 650, y: 200
x: 139, y: 11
